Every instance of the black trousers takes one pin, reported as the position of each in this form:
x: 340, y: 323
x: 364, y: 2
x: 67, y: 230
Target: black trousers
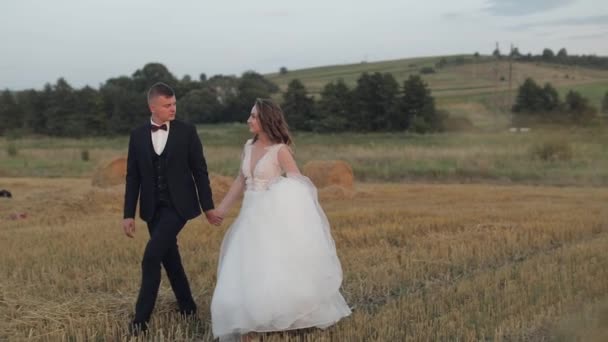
x: 162, y: 249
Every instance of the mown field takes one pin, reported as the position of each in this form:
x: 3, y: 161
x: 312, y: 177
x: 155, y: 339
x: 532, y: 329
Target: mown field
x: 459, y: 236
x: 421, y: 262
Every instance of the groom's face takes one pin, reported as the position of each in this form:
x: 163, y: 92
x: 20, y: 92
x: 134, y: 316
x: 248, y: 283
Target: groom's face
x: 163, y: 108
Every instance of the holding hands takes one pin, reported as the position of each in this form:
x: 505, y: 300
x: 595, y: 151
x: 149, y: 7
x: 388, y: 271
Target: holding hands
x: 214, y: 217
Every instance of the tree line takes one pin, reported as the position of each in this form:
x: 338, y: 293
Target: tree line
x: 560, y: 57
x: 120, y: 103
x: 377, y: 103
x: 544, y: 104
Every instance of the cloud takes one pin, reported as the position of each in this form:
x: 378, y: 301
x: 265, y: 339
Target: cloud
x: 579, y: 21
x: 589, y: 36
x: 523, y: 7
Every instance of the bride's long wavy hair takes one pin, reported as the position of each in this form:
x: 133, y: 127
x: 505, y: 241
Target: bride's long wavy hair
x: 273, y: 122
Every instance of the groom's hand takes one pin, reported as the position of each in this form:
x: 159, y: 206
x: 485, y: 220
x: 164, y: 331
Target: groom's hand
x: 128, y: 225
x: 213, y: 217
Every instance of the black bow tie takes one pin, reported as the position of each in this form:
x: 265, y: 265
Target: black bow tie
x: 155, y: 128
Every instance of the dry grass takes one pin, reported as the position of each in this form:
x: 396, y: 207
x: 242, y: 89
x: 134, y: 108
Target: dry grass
x: 421, y: 262
x: 476, y: 156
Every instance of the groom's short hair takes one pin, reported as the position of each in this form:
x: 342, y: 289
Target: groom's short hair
x: 160, y: 89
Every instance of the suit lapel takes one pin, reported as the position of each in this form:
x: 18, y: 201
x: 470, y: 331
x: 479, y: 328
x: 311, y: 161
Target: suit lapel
x: 146, y: 139
x: 173, y: 133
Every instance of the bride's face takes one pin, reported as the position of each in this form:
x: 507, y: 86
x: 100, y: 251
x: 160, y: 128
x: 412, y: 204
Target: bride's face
x: 253, y: 121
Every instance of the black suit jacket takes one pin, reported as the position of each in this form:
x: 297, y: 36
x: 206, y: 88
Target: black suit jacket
x: 186, y: 172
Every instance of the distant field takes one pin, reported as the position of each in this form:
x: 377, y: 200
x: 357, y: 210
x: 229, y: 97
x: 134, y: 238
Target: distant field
x: 316, y: 78
x: 595, y: 92
x: 498, y: 156
x: 452, y: 80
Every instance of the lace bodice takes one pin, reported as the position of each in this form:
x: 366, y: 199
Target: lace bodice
x: 259, y: 176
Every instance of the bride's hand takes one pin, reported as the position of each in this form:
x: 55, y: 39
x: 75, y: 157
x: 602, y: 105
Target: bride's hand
x: 213, y: 217
x: 220, y: 213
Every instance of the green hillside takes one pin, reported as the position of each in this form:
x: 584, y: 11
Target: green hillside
x: 475, y: 88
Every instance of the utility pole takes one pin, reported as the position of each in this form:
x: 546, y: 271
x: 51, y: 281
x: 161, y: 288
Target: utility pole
x: 475, y: 61
x: 509, y: 94
x: 496, y: 80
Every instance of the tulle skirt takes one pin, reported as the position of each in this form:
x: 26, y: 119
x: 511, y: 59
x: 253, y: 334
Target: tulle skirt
x: 278, y: 269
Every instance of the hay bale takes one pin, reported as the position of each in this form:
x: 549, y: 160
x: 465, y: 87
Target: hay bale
x: 111, y: 174
x: 324, y: 173
x: 219, y: 186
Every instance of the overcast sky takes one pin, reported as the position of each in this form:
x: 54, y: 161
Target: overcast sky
x: 87, y: 41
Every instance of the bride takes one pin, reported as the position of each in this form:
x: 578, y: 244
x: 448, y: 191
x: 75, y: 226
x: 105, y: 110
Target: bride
x: 278, y: 269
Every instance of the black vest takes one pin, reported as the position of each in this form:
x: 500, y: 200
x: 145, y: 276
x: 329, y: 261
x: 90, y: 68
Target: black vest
x: 161, y: 186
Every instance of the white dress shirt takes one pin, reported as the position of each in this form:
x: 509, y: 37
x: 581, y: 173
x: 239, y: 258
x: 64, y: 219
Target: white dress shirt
x: 159, y: 138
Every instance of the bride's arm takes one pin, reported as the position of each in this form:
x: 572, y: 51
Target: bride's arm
x: 235, y: 191
x: 288, y: 164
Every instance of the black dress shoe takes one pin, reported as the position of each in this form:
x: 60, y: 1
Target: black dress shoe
x: 138, y: 328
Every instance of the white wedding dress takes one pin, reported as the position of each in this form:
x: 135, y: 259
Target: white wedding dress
x: 278, y: 269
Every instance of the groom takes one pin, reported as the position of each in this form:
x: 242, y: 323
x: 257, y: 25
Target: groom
x: 166, y: 169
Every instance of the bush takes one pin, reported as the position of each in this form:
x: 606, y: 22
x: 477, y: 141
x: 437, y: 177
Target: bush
x: 11, y: 150
x: 442, y: 62
x: 556, y: 150
x: 427, y: 70
x: 84, y: 155
x: 578, y: 108
x: 419, y: 125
